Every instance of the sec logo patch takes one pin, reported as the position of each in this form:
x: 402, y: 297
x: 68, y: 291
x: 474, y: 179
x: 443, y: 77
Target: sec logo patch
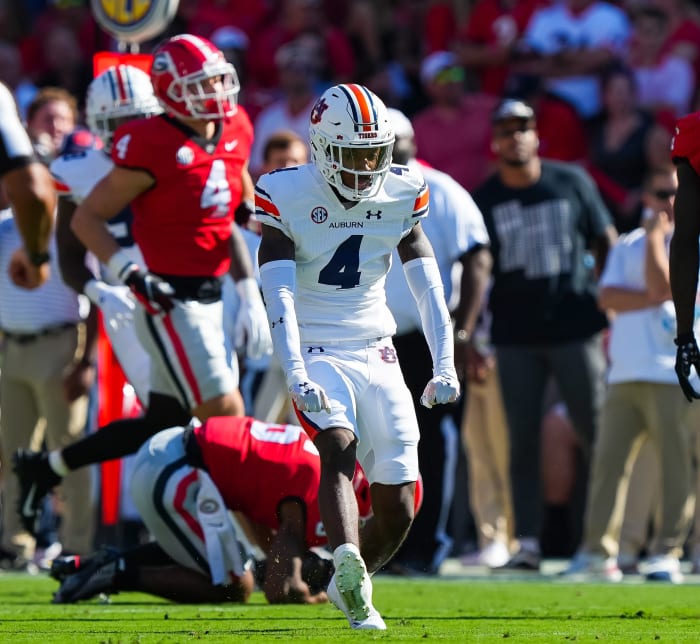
x: 134, y: 21
x: 319, y: 214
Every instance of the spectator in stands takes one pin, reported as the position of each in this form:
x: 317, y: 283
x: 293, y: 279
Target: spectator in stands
x: 293, y: 19
x: 625, y: 143
x: 489, y: 40
x: 569, y: 43
x: 554, y: 116
x: 298, y: 62
x: 284, y: 149
x: 204, y: 17
x: 643, y: 399
x: 665, y: 81
x: 452, y: 133
x: 683, y: 37
x: 85, y: 36
x: 66, y: 65
x: 50, y: 117
x: 233, y: 42
x: 13, y: 75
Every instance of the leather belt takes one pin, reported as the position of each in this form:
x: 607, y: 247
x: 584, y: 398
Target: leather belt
x: 27, y: 338
x: 193, y: 452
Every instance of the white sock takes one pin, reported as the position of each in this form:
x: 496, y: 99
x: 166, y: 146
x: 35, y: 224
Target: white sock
x: 58, y: 465
x: 342, y: 549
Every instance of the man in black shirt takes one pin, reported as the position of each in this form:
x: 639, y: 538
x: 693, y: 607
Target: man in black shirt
x: 549, y: 232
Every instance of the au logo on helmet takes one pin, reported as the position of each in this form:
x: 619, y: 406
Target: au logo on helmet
x: 134, y: 21
x: 317, y: 110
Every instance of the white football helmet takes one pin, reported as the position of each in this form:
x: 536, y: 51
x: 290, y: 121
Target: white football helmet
x: 351, y: 140
x: 119, y: 94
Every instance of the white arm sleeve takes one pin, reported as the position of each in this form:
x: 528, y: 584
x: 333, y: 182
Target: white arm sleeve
x: 423, y: 277
x: 278, y: 279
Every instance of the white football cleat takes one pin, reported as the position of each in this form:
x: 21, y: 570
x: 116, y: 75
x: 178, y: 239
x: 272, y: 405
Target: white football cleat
x: 373, y: 621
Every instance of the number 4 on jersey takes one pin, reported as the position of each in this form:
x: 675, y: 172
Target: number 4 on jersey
x: 216, y: 191
x: 342, y: 269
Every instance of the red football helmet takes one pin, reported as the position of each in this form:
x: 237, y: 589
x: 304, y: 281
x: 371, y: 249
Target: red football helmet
x: 192, y: 78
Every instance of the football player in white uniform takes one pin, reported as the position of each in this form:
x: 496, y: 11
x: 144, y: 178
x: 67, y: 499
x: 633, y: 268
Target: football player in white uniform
x: 328, y: 232
x: 118, y: 94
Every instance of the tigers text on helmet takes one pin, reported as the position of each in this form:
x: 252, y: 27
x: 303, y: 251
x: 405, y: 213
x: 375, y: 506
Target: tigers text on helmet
x: 351, y: 140
x: 192, y: 79
x: 119, y: 94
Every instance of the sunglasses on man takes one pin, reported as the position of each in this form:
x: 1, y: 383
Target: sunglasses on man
x: 663, y: 194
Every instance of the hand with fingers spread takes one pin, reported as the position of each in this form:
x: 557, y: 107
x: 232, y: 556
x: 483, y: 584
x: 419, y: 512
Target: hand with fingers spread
x: 687, y: 356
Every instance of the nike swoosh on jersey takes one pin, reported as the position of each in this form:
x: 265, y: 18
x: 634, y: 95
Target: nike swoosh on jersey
x: 230, y: 145
x: 27, y: 509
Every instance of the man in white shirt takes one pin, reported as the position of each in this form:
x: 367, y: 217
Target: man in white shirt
x: 642, y: 400
x: 48, y: 367
x: 457, y: 232
x: 30, y: 190
x: 571, y: 41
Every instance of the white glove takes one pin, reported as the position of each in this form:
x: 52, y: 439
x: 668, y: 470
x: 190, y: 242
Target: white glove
x: 252, y: 328
x: 441, y: 389
x: 309, y: 396
x: 115, y: 302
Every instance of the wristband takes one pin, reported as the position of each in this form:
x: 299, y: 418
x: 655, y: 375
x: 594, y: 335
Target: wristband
x: 120, y: 265
x: 247, y: 288
x: 684, y: 338
x: 38, y: 259
x: 244, y: 211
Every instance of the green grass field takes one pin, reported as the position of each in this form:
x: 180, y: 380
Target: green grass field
x: 452, y: 609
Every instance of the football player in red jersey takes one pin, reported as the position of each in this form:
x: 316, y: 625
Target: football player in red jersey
x: 684, y: 259
x: 183, y: 173
x: 184, y: 482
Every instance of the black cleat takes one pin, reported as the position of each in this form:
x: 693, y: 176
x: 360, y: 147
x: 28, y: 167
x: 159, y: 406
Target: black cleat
x: 94, y: 576
x: 63, y: 567
x: 36, y: 479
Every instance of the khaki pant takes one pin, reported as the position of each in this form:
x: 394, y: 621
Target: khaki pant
x: 634, y: 412
x: 35, y: 408
x: 642, y: 502
x: 485, y: 436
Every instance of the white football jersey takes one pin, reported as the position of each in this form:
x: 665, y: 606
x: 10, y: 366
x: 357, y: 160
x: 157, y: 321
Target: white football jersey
x: 342, y: 255
x: 75, y: 175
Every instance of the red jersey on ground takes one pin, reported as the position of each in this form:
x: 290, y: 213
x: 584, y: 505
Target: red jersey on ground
x: 686, y: 141
x: 183, y: 223
x: 256, y: 465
